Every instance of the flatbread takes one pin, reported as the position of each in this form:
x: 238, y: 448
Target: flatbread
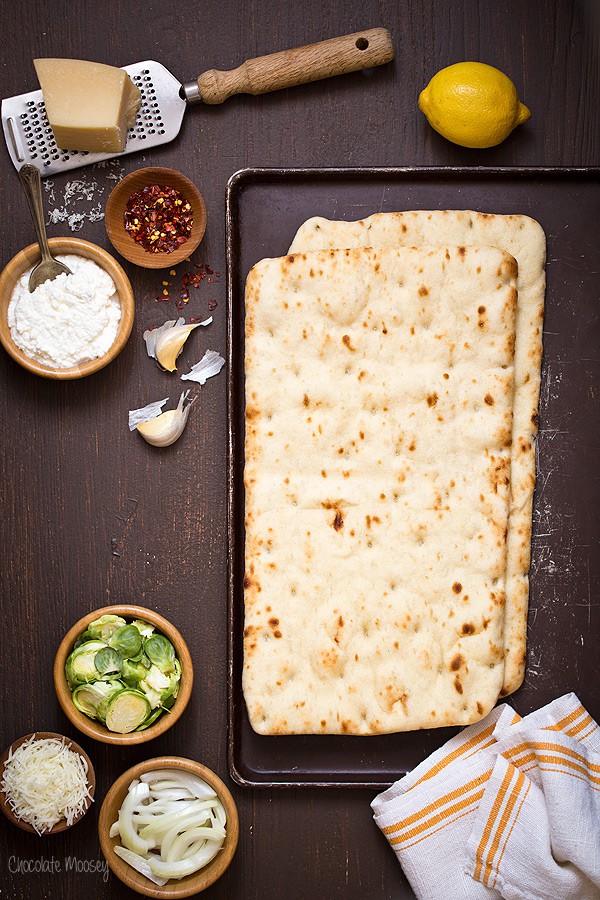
x: 379, y: 395
x: 524, y: 239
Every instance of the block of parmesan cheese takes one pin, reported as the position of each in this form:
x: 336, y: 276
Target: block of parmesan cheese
x: 90, y: 106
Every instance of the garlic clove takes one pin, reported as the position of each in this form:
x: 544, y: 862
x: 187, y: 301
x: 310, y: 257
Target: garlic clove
x: 170, y: 344
x: 151, y: 335
x: 164, y: 430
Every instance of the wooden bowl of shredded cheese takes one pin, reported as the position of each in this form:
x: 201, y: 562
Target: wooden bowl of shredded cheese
x: 47, y: 782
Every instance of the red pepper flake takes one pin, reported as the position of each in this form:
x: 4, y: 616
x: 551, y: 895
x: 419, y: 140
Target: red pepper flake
x: 212, y: 304
x: 159, y: 218
x: 195, y: 319
x: 163, y: 299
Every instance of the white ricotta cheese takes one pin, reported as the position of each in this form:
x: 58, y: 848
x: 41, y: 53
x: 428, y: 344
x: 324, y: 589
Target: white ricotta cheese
x: 69, y: 320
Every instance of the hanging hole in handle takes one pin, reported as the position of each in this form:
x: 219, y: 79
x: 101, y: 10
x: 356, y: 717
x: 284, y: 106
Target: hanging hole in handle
x: 362, y: 43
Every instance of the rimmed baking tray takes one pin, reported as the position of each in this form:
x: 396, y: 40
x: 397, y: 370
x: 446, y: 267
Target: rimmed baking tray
x: 264, y: 209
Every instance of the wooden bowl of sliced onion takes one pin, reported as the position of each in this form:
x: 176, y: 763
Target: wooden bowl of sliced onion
x: 138, y: 839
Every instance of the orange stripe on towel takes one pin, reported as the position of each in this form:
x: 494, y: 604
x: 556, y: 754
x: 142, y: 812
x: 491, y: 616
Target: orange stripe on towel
x: 435, y: 806
x: 504, y: 819
x: 491, y: 820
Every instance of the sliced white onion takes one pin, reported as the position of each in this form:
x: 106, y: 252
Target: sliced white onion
x: 197, y: 786
x: 184, y: 867
x: 129, y: 835
x: 139, y: 864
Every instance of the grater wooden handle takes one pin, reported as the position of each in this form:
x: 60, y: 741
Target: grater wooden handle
x: 337, y: 56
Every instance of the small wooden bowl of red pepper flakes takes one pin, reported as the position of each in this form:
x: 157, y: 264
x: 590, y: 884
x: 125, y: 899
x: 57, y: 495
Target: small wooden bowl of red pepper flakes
x: 155, y: 217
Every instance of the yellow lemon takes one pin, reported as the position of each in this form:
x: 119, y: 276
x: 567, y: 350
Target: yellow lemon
x: 472, y: 104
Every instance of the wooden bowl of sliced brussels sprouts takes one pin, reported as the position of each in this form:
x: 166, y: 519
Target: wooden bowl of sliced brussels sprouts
x: 123, y: 675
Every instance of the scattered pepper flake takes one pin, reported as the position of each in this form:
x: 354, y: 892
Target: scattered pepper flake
x: 159, y: 218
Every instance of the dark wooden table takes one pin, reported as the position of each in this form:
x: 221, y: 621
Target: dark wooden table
x: 90, y: 514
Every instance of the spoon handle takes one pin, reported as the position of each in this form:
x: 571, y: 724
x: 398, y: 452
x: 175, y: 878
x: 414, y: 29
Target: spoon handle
x: 32, y: 185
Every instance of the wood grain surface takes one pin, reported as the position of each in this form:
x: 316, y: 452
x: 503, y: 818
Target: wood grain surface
x: 91, y: 514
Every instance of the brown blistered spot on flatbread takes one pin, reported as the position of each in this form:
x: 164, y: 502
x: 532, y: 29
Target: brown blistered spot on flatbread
x: 305, y: 400
x: 423, y: 291
x: 468, y: 628
x: 488, y: 399
x: 457, y: 587
x: 457, y: 685
x: 456, y: 663
x: 338, y: 521
x: 348, y: 343
x: 462, y: 252
x: 479, y: 708
x: 432, y: 399
x: 252, y: 412
x: 251, y: 582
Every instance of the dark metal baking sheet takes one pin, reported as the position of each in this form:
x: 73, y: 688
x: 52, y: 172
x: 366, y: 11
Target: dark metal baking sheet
x: 264, y: 209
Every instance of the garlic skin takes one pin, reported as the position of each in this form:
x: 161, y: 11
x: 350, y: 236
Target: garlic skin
x: 164, y: 430
x: 151, y: 411
x: 210, y: 365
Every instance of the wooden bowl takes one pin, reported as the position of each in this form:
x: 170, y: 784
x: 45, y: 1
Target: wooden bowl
x: 115, y: 211
x: 25, y: 260
x: 184, y: 887
x: 96, y: 729
x: 62, y: 825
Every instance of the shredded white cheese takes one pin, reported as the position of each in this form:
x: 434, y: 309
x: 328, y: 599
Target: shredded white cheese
x: 45, y: 781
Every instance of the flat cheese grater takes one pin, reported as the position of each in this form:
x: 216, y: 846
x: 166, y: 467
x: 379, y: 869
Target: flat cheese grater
x: 29, y: 137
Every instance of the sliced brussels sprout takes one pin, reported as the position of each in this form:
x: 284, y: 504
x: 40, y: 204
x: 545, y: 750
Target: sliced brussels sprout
x: 127, y: 640
x: 101, y: 629
x: 171, y: 691
x: 156, y: 680
x: 151, y: 719
x: 153, y: 696
x: 108, y: 661
x: 115, y: 688
x: 144, y: 628
x: 133, y: 672
x: 161, y: 652
x: 85, y: 636
x: 88, y: 697
x: 79, y: 667
x: 126, y: 711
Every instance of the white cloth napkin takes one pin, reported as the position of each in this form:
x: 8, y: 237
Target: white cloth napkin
x: 510, y: 808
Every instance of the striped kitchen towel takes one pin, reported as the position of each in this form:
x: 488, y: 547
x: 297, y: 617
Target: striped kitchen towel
x: 508, y: 808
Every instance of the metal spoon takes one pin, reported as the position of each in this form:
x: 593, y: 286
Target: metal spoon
x: 48, y: 268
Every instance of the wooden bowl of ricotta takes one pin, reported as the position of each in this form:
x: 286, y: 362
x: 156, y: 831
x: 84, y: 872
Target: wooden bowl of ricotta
x: 62, y: 366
